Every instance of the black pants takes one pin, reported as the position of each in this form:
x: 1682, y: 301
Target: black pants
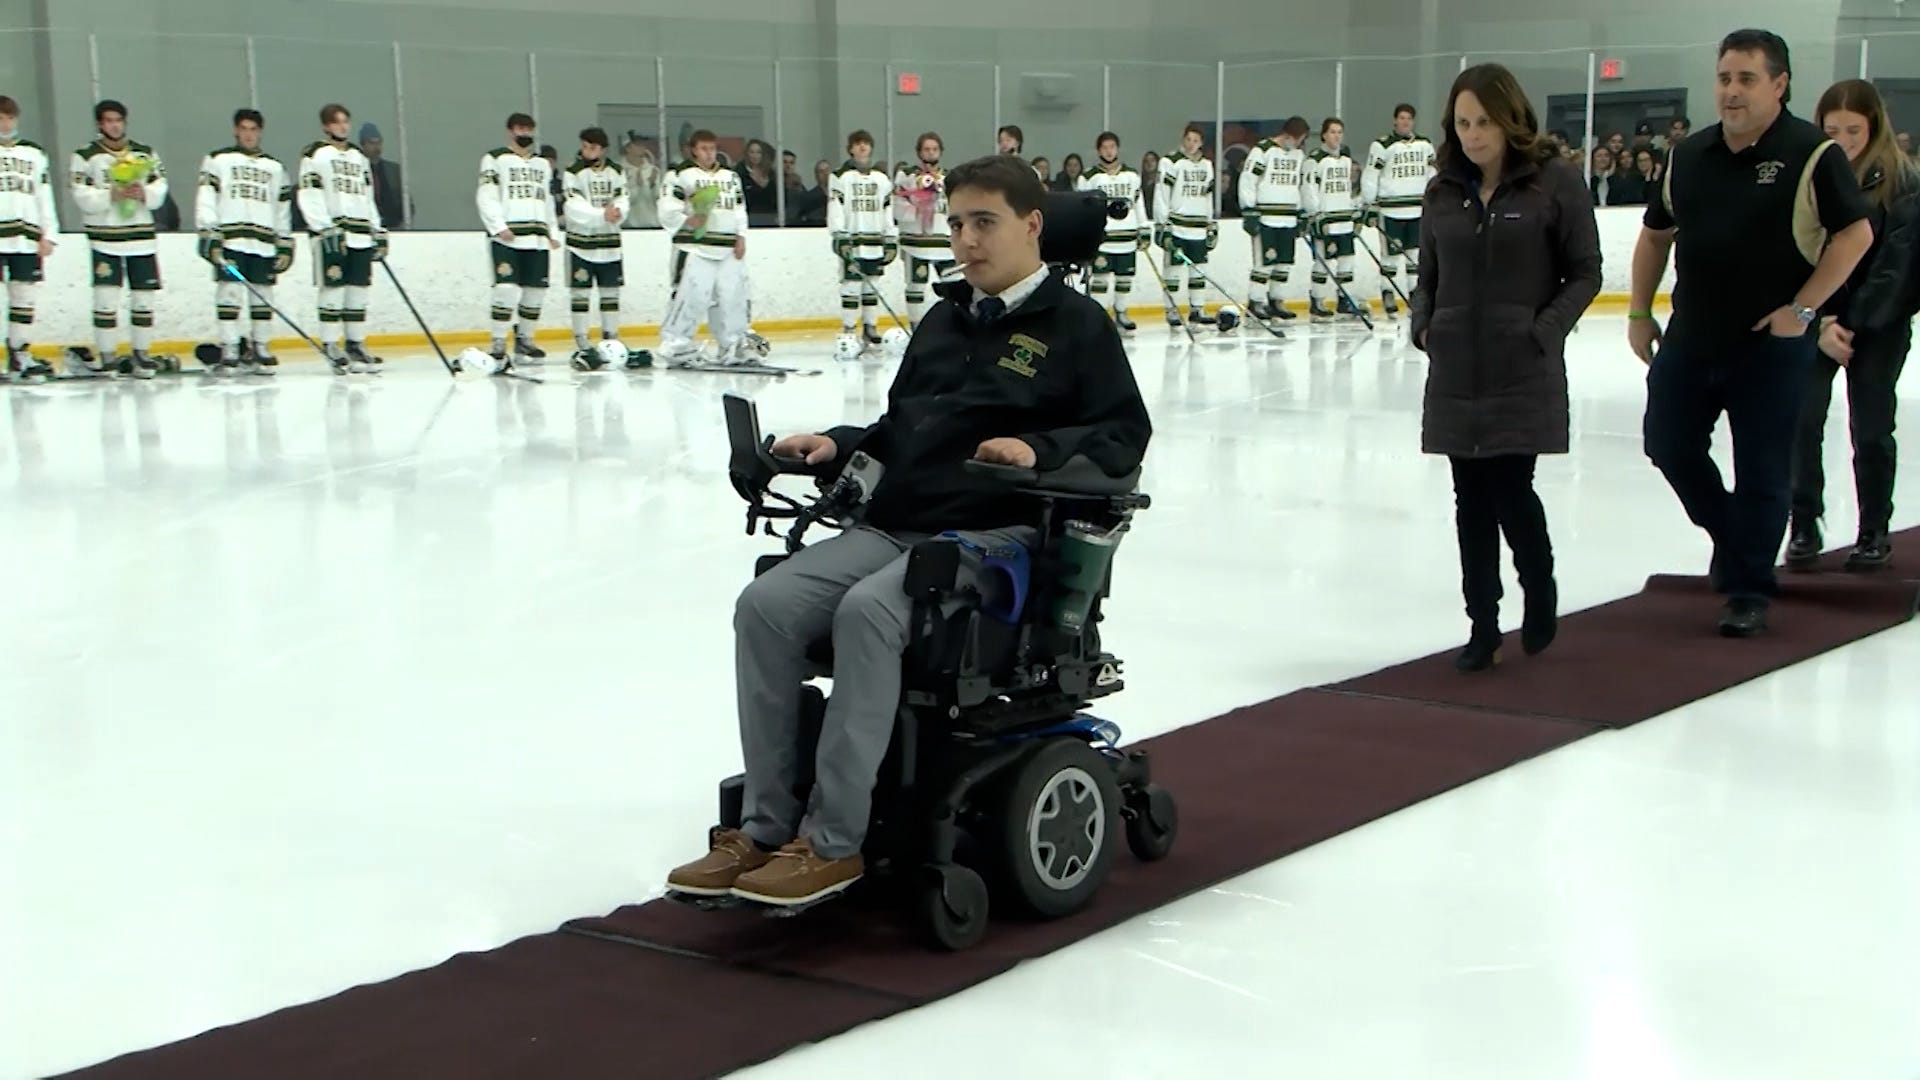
x: 1877, y: 360
x: 1759, y: 381
x: 1491, y: 496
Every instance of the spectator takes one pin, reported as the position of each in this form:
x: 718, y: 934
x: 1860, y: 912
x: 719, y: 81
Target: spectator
x: 1041, y: 167
x: 756, y: 185
x: 1602, y: 181
x: 1617, y: 146
x: 556, y: 183
x: 1011, y: 140
x: 808, y: 208
x: 1867, y: 328
x: 1149, y: 180
x: 1677, y: 131
x: 1494, y: 332
x: 386, y: 179
x: 643, y: 183
x: 1904, y: 141
x: 1069, y: 175
x: 1753, y: 268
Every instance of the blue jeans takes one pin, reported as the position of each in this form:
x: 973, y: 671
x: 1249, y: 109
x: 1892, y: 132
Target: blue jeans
x: 1758, y: 380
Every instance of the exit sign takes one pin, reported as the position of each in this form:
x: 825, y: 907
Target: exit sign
x: 909, y: 83
x: 1613, y: 69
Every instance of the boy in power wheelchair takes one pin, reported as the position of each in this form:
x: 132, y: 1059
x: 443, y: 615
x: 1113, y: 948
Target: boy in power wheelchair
x: 1011, y: 443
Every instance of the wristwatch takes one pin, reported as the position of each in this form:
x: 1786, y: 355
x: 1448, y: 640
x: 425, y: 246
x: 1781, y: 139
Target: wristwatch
x: 1806, y: 315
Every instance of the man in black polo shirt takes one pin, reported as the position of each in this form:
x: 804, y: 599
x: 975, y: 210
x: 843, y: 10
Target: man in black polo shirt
x: 1012, y: 367
x: 1770, y: 221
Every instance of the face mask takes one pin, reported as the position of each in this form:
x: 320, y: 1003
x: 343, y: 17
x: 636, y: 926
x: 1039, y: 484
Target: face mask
x: 523, y: 141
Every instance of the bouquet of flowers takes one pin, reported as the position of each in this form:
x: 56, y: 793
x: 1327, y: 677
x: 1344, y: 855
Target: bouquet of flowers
x: 922, y: 193
x: 131, y: 170
x: 703, y: 201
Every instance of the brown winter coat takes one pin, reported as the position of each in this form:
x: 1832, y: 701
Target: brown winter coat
x: 1498, y: 292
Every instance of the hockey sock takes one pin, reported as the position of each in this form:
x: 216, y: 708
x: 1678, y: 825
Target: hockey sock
x: 262, y: 317
x: 609, y: 314
x: 531, y: 302
x: 504, y: 297
x: 1196, y: 291
x: 1122, y: 289
x: 849, y: 305
x: 353, y: 312
x: 226, y: 299
x: 1173, y: 290
x: 1343, y: 269
x: 580, y: 302
x: 869, y: 307
x: 1097, y: 288
x: 20, y: 298
x: 1276, y: 279
x: 332, y: 299
x: 142, y: 321
x: 1258, y: 279
x: 106, y: 320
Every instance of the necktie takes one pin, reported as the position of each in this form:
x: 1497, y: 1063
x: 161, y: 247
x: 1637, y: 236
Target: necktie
x: 988, y: 310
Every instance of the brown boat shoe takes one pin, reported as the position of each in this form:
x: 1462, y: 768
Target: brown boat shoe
x: 734, y: 853
x: 796, y: 874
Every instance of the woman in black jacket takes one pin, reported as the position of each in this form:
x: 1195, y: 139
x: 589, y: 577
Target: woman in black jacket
x: 1509, y: 258
x: 1865, y: 327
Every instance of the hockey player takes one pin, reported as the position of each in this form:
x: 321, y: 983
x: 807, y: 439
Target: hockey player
x: 335, y: 194
x: 1395, y: 181
x: 597, y: 206
x: 28, y: 223
x: 704, y: 206
x: 117, y: 185
x: 1329, y: 197
x: 920, y: 206
x: 866, y: 239
x: 1270, y: 212
x: 1183, y: 222
x: 244, y: 211
x: 1125, y: 237
x: 515, y: 200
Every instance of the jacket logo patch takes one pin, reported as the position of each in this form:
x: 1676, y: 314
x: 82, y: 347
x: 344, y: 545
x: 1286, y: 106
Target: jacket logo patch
x: 1768, y: 171
x: 1026, y: 351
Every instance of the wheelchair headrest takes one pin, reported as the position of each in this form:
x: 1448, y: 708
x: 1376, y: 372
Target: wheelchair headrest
x: 1079, y: 476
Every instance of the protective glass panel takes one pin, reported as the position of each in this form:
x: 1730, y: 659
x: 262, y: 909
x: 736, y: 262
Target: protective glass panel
x: 452, y: 118
x: 297, y: 77
x: 181, y: 110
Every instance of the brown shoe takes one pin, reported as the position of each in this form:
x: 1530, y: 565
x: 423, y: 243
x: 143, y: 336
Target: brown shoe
x: 733, y: 854
x: 796, y: 875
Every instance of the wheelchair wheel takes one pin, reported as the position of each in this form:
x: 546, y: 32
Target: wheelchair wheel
x: 1059, y: 823
x: 1152, y: 822
x: 952, y: 908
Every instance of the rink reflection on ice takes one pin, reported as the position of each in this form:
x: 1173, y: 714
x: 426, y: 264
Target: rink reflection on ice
x: 316, y: 681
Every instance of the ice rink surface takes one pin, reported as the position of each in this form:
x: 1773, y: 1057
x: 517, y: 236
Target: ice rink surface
x: 313, y: 682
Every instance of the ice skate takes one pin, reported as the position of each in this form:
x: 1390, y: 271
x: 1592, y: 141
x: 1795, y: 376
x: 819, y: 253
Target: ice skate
x: 136, y: 365
x: 24, y: 367
x: 1120, y: 320
x: 1199, y: 317
x: 524, y: 350
x: 1388, y: 306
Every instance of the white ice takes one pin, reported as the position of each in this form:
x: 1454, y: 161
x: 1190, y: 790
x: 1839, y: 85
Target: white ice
x: 310, y: 684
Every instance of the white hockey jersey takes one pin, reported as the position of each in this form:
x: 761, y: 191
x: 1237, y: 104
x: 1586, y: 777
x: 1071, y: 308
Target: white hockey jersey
x: 860, y: 209
x: 920, y: 210
x: 516, y: 195
x: 246, y: 198
x: 726, y: 217
x: 1329, y: 191
x: 1397, y: 173
x: 27, y: 210
x: 1270, y: 184
x: 115, y: 227
x: 1186, y: 196
x: 1123, y: 184
x: 591, y: 187
x: 335, y: 189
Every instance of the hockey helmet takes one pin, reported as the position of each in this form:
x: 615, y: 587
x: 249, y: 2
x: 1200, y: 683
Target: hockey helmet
x: 472, y: 359
x: 895, y: 341
x: 611, y: 353
x: 846, y: 347
x: 1227, y: 318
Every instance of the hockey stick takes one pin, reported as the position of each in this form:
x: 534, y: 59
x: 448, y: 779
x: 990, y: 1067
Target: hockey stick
x: 1390, y: 279
x: 882, y: 297
x: 234, y: 273
x: 408, y: 300
x: 1313, y: 245
x: 1167, y: 295
x: 1246, y: 308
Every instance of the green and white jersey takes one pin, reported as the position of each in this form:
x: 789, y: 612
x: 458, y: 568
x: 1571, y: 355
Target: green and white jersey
x: 245, y: 198
x: 118, y: 226
x: 725, y: 208
x: 920, y: 211
x: 1186, y: 196
x: 1121, y: 183
x: 1331, y: 189
x: 516, y: 195
x: 1270, y: 183
x: 1397, y: 173
x: 860, y: 209
x: 27, y: 210
x: 335, y: 190
x: 591, y: 187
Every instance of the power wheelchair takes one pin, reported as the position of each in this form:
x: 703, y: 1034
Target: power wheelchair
x: 995, y: 773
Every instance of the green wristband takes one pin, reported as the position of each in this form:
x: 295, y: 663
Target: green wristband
x: 1639, y: 314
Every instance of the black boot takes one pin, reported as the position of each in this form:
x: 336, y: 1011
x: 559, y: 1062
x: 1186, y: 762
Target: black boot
x: 1873, y: 551
x: 1542, y: 619
x: 1477, y: 525
x: 1803, y: 543
x: 1482, y: 651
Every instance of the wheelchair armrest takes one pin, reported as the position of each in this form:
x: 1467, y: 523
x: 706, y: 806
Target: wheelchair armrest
x: 1079, y: 476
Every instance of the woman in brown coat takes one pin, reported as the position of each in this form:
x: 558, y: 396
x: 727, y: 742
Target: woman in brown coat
x: 1509, y: 258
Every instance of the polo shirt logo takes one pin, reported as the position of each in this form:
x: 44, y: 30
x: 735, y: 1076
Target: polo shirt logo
x: 1769, y: 171
x: 1025, y: 352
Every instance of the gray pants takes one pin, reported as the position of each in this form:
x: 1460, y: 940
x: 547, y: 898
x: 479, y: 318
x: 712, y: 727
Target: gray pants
x: 854, y: 586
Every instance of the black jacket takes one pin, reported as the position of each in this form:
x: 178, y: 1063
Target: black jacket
x: 1498, y: 290
x: 1884, y: 289
x: 1052, y: 372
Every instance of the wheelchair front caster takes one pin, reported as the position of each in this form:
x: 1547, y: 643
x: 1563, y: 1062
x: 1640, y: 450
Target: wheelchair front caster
x: 1152, y: 822
x: 953, y: 908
